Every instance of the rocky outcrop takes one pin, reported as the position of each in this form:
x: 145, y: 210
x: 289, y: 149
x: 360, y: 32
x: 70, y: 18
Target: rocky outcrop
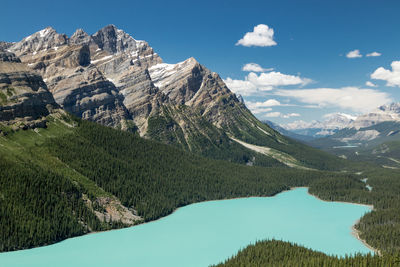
x: 9, y: 57
x: 24, y: 98
x: 86, y: 93
x: 110, y: 210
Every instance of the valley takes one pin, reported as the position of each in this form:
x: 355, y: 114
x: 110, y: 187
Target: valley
x: 98, y: 133
x: 216, y: 228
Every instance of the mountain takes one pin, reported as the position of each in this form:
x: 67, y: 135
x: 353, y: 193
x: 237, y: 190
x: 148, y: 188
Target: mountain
x: 293, y: 135
x: 25, y: 100
x: 370, y: 137
x: 384, y: 113
x: 333, y: 123
x: 63, y: 176
x: 376, y: 127
x: 115, y: 80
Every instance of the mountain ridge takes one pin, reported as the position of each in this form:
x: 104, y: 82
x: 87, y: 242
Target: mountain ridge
x: 112, y: 79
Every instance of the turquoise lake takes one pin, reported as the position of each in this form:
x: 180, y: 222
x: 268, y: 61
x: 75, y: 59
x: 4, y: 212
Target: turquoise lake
x: 208, y: 233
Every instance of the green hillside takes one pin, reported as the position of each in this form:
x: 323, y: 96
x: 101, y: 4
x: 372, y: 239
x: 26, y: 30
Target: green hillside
x: 50, y: 175
x: 284, y: 254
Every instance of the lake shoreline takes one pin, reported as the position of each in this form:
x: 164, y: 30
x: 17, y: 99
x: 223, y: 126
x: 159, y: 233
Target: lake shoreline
x: 354, y: 231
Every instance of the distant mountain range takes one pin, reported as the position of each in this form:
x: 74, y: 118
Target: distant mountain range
x: 345, y: 128
x: 316, y: 129
x: 374, y: 136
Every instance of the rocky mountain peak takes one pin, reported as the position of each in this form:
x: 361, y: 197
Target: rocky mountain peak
x: 80, y: 37
x: 114, y: 40
x: 41, y: 40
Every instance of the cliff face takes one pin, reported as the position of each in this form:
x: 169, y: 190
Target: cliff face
x: 24, y: 98
x: 111, y: 78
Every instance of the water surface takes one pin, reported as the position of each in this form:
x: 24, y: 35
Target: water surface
x: 207, y: 233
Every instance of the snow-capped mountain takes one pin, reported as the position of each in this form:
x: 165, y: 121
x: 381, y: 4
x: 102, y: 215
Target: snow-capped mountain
x: 332, y: 123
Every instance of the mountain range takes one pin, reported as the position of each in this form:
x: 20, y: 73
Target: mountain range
x: 346, y: 128
x: 97, y: 133
x: 115, y: 80
x: 332, y: 123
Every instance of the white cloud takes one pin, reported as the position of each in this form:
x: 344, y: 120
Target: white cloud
x: 242, y: 87
x: 265, y: 107
x: 392, y: 77
x: 267, y: 103
x: 273, y: 114
x: 262, y: 35
x: 290, y: 115
x: 277, y: 114
x: 354, y: 54
x: 374, y: 54
x: 260, y: 110
x: 254, y: 83
x: 267, y: 81
x: 370, y: 84
x: 262, y: 107
x: 351, y: 98
x: 255, y: 67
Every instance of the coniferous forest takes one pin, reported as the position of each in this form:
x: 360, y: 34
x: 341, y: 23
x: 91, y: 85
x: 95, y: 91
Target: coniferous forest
x: 44, y: 175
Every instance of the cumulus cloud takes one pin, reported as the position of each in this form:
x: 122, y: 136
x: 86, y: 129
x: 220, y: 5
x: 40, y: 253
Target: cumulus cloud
x: 262, y: 107
x: 392, y: 77
x: 267, y: 103
x: 267, y: 81
x: 354, y: 54
x: 370, y: 84
x: 255, y: 68
x: 254, y: 83
x: 374, y: 54
x: 262, y: 35
x: 351, y: 98
x: 241, y: 87
x: 265, y: 108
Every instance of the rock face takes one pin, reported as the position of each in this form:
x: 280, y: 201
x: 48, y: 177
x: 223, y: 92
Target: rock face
x: 384, y: 113
x: 111, y: 78
x: 24, y: 97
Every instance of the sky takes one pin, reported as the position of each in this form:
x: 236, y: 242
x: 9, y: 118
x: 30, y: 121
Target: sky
x: 289, y: 59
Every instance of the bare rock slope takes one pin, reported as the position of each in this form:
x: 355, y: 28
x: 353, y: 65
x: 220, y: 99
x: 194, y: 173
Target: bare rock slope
x: 25, y: 100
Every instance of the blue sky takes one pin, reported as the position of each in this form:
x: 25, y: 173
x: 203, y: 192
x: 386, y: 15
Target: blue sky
x: 312, y: 40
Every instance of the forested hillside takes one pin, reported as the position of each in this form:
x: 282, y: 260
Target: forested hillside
x: 284, y: 254
x: 52, y: 175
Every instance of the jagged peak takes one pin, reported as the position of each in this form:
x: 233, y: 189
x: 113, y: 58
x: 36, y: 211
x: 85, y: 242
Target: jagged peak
x: 46, y: 31
x: 80, y: 37
x: 41, y: 34
x: 79, y: 32
x: 115, y: 40
x: 40, y: 40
